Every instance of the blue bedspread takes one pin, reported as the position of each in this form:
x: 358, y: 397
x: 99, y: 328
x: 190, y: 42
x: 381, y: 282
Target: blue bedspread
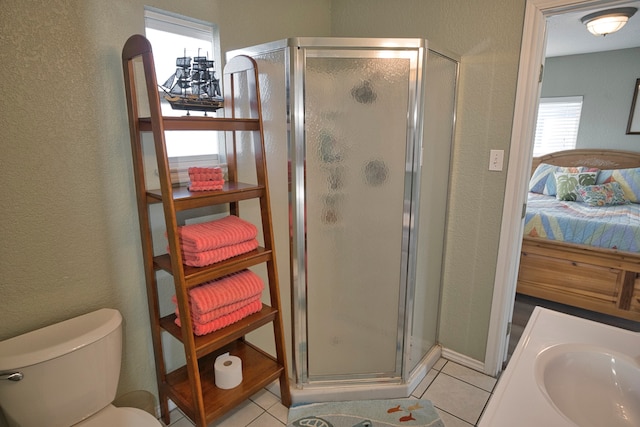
x: 613, y: 227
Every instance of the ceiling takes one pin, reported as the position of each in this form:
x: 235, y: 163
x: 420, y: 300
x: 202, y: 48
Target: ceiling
x: 568, y: 36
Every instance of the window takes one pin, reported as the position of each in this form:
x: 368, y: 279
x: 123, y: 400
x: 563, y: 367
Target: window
x: 172, y: 36
x: 557, y: 126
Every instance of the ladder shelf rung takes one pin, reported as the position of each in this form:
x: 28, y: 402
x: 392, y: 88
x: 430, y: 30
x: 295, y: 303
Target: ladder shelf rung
x: 205, y: 344
x: 194, y: 276
x: 202, y: 123
x: 231, y: 192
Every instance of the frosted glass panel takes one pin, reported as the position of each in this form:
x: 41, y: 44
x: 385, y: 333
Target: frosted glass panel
x: 356, y: 112
x: 274, y: 115
x: 440, y: 85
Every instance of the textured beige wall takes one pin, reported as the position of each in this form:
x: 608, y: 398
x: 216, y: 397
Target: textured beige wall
x: 70, y: 237
x: 487, y: 36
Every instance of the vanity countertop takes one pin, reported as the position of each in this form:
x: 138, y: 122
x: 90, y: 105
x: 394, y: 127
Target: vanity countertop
x: 520, y: 400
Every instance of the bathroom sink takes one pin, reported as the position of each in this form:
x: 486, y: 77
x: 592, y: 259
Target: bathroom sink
x: 589, y: 385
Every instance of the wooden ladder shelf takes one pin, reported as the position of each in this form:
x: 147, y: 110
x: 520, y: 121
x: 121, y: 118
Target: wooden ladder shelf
x: 192, y: 386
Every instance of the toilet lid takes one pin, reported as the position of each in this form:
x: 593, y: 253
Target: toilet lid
x: 121, y: 417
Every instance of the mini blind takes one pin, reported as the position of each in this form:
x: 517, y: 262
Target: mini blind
x: 557, y: 125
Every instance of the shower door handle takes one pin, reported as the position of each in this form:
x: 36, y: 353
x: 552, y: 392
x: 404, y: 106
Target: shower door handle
x: 12, y: 376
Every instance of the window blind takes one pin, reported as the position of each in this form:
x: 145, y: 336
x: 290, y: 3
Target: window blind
x: 557, y: 125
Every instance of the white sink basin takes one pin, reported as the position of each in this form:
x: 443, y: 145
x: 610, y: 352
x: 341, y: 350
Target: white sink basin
x: 590, y: 385
x: 568, y: 372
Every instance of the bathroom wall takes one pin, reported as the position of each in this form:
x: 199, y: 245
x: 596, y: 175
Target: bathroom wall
x: 69, y: 222
x: 487, y: 36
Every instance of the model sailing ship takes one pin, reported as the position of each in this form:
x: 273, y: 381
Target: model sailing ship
x: 194, y: 86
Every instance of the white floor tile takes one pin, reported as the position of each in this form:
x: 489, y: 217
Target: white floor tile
x: 280, y: 411
x: 274, y: 388
x: 241, y: 416
x: 457, y: 397
x: 182, y: 422
x: 265, y: 399
x: 470, y: 376
x: 451, y: 421
x: 175, y: 416
x: 266, y: 420
x: 424, y: 384
x: 439, y: 364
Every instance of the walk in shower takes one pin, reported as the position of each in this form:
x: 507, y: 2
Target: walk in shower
x: 358, y: 134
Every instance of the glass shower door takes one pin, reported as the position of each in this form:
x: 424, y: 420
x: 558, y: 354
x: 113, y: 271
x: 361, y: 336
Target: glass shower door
x: 357, y: 158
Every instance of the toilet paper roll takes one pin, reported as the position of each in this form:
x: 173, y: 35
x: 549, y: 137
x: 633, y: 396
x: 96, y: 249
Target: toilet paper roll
x: 228, y: 371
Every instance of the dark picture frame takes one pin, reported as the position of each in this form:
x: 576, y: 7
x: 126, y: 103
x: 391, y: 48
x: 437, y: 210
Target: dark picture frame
x: 633, y: 126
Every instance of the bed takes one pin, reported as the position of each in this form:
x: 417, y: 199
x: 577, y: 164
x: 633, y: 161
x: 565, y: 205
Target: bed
x: 597, y: 269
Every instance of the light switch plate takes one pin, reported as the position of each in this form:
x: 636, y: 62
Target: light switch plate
x: 496, y: 159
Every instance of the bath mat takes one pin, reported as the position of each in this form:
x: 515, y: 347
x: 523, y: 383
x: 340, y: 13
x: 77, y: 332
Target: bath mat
x: 366, y: 413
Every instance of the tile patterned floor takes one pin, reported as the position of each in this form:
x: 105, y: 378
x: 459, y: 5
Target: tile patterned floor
x: 459, y: 394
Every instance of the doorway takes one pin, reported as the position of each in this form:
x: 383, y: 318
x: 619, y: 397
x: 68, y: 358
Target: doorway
x: 528, y: 91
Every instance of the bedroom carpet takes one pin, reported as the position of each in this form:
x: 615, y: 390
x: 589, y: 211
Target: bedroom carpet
x: 367, y: 413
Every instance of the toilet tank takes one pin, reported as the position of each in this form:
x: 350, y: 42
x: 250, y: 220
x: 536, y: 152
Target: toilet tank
x: 70, y: 370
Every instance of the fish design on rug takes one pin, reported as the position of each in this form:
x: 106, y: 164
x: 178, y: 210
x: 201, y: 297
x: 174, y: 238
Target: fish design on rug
x: 394, y: 409
x: 414, y: 407
x: 319, y: 422
x: 312, y: 422
x: 407, y: 418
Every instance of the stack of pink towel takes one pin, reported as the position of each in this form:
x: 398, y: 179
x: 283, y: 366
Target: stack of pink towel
x: 205, y: 179
x: 210, y: 242
x: 222, y: 302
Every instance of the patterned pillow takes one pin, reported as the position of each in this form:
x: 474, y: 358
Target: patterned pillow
x: 609, y: 194
x: 543, y: 181
x: 566, y: 184
x: 629, y: 180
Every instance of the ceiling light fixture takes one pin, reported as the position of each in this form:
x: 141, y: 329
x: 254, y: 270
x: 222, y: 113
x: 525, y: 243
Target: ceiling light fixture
x: 608, y: 21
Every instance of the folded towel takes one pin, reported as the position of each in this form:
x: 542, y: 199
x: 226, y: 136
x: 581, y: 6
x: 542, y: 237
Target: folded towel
x: 219, y: 312
x: 204, y: 258
x: 206, y: 236
x: 224, y: 291
x: 226, y: 320
x: 195, y: 169
x: 206, y: 185
x: 205, y: 174
x: 204, y: 177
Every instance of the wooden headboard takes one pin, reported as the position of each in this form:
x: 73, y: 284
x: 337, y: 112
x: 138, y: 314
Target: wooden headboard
x: 594, y: 158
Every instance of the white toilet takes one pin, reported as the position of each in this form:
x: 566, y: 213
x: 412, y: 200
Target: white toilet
x: 67, y: 374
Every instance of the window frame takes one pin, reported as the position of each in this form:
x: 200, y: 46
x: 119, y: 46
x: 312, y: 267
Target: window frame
x: 161, y: 20
x: 568, y: 129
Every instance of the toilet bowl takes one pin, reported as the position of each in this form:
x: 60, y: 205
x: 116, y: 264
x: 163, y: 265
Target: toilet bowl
x: 66, y: 374
x: 120, y: 417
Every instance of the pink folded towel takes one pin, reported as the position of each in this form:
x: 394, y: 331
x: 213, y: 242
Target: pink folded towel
x: 226, y: 320
x: 204, y: 258
x: 205, y: 174
x: 206, y: 185
x: 219, y: 312
x: 206, y: 236
x: 224, y: 291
